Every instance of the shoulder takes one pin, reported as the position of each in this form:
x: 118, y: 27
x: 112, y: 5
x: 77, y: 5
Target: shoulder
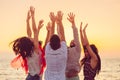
x: 47, y: 45
x: 63, y: 43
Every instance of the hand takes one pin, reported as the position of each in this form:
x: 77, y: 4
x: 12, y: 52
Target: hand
x: 59, y: 16
x: 52, y: 17
x: 40, y: 24
x: 85, y: 28
x: 48, y: 27
x: 32, y: 10
x: 28, y: 16
x: 71, y: 17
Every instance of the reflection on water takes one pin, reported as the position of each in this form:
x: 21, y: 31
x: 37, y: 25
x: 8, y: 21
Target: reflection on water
x: 110, y: 69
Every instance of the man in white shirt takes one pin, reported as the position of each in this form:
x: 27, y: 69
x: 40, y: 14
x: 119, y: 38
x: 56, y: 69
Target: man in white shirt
x: 55, y: 50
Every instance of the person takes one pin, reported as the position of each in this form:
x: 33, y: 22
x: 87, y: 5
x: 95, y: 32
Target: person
x: 28, y: 48
x: 91, y: 61
x: 55, y: 50
x: 29, y: 33
x: 74, y: 52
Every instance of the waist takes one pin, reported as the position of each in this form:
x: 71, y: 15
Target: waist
x: 32, y: 72
x: 35, y: 77
x: 71, y: 73
x: 76, y: 68
x: 88, y: 78
x: 74, y: 64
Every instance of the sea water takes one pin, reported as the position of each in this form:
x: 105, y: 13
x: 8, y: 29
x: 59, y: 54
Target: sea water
x: 110, y: 69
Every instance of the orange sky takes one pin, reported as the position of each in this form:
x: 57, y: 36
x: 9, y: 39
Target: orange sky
x: 102, y: 16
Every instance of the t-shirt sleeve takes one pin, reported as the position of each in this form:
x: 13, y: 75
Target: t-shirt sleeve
x: 47, y: 47
x: 64, y: 47
x: 63, y: 44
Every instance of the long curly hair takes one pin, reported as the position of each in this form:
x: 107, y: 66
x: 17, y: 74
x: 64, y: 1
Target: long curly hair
x: 23, y: 46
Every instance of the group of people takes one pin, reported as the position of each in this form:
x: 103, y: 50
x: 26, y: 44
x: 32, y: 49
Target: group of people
x: 59, y: 61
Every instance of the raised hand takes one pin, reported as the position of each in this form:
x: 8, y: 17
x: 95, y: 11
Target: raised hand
x: 28, y: 16
x: 29, y: 32
x: 52, y: 16
x: 83, y: 34
x: 40, y: 25
x: 59, y: 16
x: 60, y: 28
x: 71, y: 17
x: 32, y: 10
x: 85, y: 28
x: 48, y: 27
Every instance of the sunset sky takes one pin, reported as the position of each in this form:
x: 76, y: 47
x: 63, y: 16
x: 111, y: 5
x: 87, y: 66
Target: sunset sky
x: 102, y: 16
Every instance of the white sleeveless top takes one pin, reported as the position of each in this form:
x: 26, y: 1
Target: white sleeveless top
x: 34, y: 63
x: 55, y: 62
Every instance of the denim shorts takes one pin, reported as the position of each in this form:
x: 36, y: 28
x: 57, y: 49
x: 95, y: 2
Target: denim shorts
x: 35, y: 77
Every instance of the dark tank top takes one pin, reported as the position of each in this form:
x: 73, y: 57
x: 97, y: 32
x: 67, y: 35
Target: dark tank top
x: 89, y: 72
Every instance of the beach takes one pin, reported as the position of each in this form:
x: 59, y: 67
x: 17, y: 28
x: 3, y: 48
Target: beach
x: 110, y: 69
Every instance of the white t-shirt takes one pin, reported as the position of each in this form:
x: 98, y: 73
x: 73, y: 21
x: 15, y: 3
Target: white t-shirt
x: 55, y: 62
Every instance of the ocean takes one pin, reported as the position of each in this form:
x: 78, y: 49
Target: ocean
x: 110, y: 69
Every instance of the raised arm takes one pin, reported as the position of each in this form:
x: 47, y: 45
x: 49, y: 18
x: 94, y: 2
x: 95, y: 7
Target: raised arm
x: 71, y: 19
x: 60, y: 25
x: 32, y: 9
x: 40, y: 25
x: 52, y: 18
x: 81, y: 35
x: 90, y: 51
x: 29, y: 32
x: 35, y: 30
x: 48, y: 28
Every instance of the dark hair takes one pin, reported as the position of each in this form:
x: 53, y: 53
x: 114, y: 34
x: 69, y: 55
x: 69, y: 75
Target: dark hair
x: 40, y: 43
x: 23, y: 46
x: 55, y: 42
x: 95, y: 50
x: 73, y: 44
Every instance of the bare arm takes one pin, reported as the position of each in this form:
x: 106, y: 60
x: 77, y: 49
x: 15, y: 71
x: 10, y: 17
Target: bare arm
x: 52, y: 18
x: 81, y: 35
x: 48, y: 27
x: 29, y: 32
x: 35, y: 30
x: 60, y: 25
x: 32, y: 9
x: 90, y: 51
x: 92, y: 54
x: 71, y: 18
x: 40, y: 25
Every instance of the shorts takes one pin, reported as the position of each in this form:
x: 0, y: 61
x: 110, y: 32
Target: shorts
x: 73, y: 78
x: 35, y: 77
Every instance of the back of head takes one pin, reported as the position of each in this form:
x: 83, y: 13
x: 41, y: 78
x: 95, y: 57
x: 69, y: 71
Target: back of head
x: 23, y: 46
x: 72, y: 43
x: 55, y: 42
x: 95, y: 50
